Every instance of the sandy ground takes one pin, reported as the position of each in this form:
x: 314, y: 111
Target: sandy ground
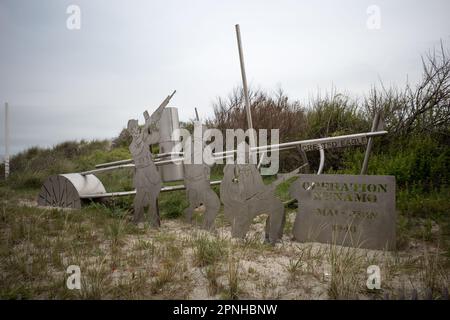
x: 288, y: 270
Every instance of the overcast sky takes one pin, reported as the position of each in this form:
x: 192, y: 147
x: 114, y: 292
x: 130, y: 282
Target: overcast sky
x: 128, y: 56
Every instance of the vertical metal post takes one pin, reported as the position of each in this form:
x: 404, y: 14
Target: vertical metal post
x: 244, y: 78
x: 245, y: 88
x: 196, y: 115
x: 375, y: 122
x: 6, y: 140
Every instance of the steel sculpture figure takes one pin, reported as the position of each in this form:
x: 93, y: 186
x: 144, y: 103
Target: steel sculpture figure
x: 245, y: 196
x: 198, y: 188
x: 146, y: 179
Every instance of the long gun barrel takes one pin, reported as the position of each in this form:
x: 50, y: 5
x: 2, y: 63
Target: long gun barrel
x: 154, y: 118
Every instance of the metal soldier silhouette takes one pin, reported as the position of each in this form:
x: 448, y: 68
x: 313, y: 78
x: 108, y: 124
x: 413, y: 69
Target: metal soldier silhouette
x: 198, y: 188
x: 245, y: 196
x: 147, y: 179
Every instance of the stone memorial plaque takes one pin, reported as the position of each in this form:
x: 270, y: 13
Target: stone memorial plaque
x: 349, y: 210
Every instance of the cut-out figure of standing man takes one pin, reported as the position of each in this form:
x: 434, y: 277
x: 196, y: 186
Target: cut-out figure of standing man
x: 147, y: 179
x: 197, y: 182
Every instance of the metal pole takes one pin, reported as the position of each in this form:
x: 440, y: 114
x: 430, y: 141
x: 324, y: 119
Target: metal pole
x: 196, y: 115
x: 128, y: 193
x: 318, y: 141
x: 365, y: 164
x: 114, y: 163
x: 322, y: 161
x: 122, y: 166
x: 6, y: 140
x: 260, y: 149
x: 244, y: 78
x: 245, y: 88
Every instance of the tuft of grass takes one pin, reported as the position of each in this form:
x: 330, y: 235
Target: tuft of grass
x: 306, y: 261
x: 212, y: 273
x: 132, y: 287
x: 95, y: 282
x: 164, y: 276
x: 170, y: 268
x: 115, y: 232
x: 432, y: 272
x: 208, y: 251
x: 232, y: 290
x: 145, y: 245
x: 294, y: 267
x: 346, y: 264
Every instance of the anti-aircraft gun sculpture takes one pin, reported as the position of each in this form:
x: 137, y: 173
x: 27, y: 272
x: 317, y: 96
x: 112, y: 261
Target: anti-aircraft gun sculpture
x: 242, y: 191
x: 70, y: 189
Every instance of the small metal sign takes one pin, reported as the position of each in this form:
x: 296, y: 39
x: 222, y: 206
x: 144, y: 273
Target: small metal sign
x: 349, y: 210
x: 348, y: 142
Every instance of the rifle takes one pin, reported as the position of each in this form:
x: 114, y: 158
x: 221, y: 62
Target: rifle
x: 152, y: 121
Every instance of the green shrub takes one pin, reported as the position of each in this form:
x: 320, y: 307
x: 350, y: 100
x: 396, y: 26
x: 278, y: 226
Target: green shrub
x: 95, y: 157
x: 334, y: 115
x: 418, y: 163
x: 30, y: 168
x: 123, y: 140
x: 172, y: 204
x: 434, y: 205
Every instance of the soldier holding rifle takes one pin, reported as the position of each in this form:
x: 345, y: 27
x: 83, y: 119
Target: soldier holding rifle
x: 147, y: 179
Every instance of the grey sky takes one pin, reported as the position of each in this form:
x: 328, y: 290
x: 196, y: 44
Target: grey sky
x: 129, y: 55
